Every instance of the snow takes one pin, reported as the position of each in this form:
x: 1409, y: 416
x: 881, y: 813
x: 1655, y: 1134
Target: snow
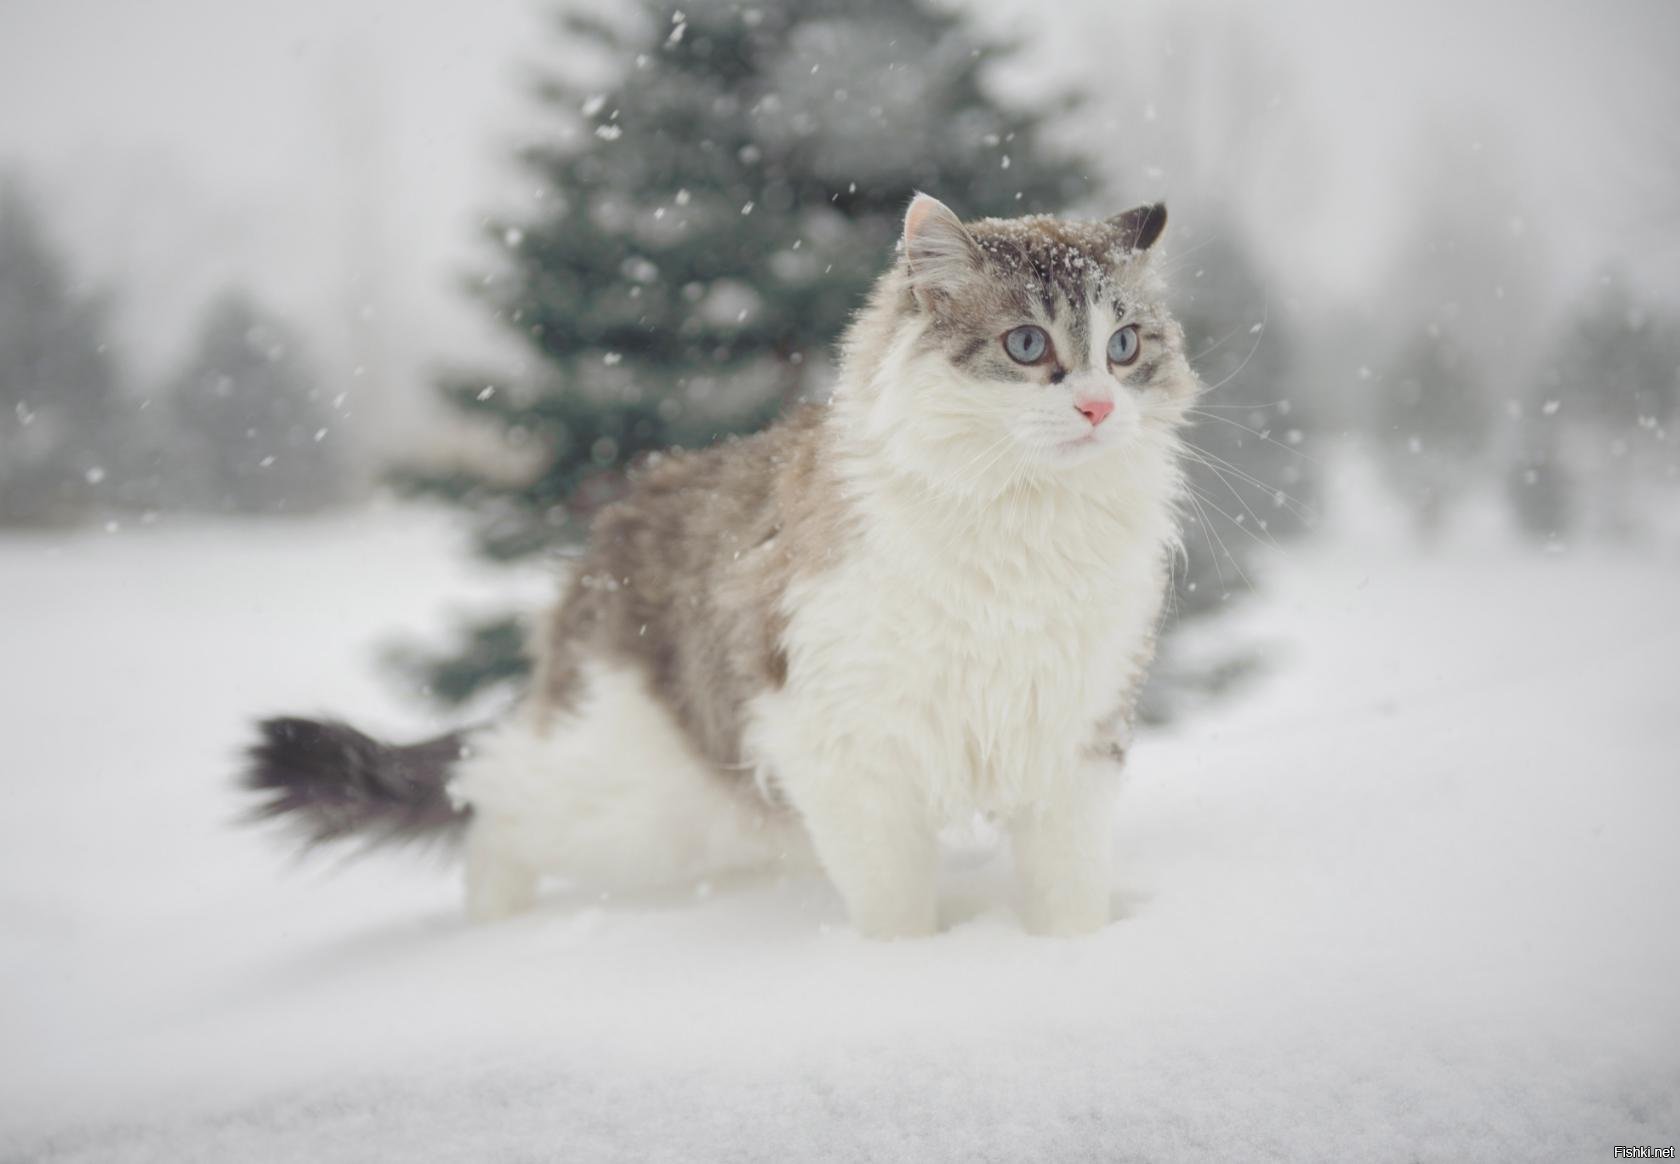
x: 1409, y: 894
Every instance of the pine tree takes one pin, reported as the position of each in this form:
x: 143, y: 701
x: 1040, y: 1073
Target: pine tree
x: 1538, y: 483
x: 1604, y: 404
x: 253, y: 430
x: 57, y: 382
x: 1465, y: 289
x: 705, y: 228
x: 1437, y: 419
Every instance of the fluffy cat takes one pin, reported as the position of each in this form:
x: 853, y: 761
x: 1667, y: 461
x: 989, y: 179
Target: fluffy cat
x: 933, y: 596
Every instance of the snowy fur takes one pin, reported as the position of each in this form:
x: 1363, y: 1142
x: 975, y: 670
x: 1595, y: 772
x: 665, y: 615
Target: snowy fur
x: 970, y: 644
x: 611, y: 795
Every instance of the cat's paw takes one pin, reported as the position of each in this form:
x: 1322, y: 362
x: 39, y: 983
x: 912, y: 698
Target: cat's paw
x: 496, y: 886
x: 889, y: 920
x: 1067, y: 919
x: 483, y: 908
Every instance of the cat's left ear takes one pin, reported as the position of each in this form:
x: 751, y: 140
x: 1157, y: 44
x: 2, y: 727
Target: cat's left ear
x: 941, y: 253
x: 1138, y: 228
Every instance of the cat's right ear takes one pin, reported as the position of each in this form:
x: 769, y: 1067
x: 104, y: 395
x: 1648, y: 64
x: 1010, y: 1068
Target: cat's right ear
x: 941, y: 253
x: 1138, y: 228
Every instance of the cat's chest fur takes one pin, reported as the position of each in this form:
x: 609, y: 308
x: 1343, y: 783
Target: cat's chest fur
x: 979, y: 647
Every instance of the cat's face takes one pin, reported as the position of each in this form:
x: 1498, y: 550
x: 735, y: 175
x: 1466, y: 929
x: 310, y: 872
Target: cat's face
x: 1046, y: 344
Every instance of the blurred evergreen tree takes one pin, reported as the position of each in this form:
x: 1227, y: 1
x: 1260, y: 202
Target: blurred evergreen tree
x: 253, y: 434
x: 1466, y: 292
x: 1604, y: 407
x: 705, y: 227
x: 1538, y: 482
x: 57, y: 382
x: 1436, y: 418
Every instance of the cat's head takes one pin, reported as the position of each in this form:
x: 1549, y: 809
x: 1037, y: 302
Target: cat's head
x: 1033, y: 345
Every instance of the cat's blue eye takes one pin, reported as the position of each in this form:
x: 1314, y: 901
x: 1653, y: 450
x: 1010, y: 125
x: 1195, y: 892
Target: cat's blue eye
x: 1026, y: 344
x: 1123, y: 345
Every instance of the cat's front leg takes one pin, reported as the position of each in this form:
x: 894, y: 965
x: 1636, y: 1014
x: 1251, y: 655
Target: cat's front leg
x: 877, y: 845
x: 1064, y: 852
x: 498, y: 884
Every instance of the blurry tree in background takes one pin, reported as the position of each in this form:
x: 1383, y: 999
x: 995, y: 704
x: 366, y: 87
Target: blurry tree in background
x: 1436, y: 418
x: 1602, y: 409
x: 253, y: 432
x: 57, y: 382
x: 1466, y: 294
x: 706, y: 226
x: 1539, y: 484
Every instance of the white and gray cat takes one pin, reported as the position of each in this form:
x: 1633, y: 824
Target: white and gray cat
x: 933, y: 596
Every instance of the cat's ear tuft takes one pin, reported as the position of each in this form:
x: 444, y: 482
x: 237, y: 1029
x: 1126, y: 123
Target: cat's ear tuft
x: 941, y: 252
x: 1138, y: 228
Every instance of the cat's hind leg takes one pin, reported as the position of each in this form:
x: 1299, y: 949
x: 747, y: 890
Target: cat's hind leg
x: 609, y: 795
x: 498, y: 883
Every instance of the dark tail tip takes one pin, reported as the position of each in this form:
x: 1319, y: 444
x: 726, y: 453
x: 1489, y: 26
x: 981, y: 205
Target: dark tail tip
x: 336, y: 782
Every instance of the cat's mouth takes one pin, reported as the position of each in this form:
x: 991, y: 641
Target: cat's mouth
x: 1085, y: 447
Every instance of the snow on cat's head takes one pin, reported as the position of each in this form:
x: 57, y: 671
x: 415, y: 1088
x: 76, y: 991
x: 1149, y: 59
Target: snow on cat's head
x: 1031, y: 346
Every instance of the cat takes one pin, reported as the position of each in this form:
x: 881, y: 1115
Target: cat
x: 931, y: 597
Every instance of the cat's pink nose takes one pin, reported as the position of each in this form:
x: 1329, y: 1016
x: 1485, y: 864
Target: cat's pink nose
x: 1095, y: 411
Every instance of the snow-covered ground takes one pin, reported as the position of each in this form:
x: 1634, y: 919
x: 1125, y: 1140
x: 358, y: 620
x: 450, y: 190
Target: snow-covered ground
x: 1412, y: 894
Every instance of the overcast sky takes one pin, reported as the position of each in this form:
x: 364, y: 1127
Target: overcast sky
x: 331, y: 153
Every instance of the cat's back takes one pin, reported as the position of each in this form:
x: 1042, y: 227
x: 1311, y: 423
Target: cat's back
x: 687, y: 508
x: 683, y: 578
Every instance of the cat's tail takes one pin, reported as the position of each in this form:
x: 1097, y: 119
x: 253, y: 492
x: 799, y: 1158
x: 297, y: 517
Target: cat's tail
x: 339, y: 784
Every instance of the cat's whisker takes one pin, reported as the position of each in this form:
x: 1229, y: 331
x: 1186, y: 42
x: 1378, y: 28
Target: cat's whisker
x: 1208, y: 533
x: 1236, y: 564
x: 1215, y: 463
x: 1259, y: 521
x: 1237, y: 405
x: 1197, y: 411
x: 1259, y: 335
x: 1178, y: 261
x: 1215, y: 345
